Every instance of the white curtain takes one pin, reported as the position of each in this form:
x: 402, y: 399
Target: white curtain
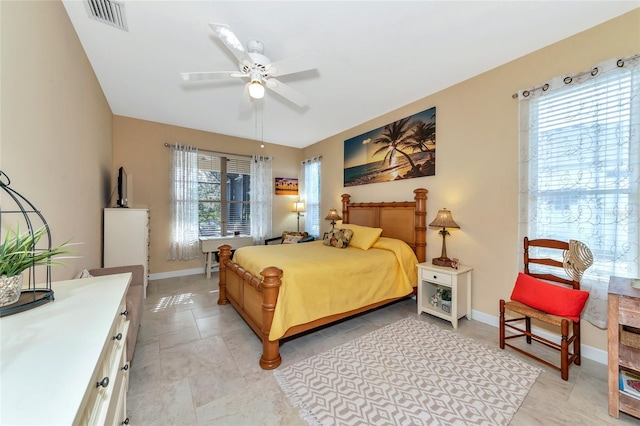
x: 261, y: 198
x: 579, y: 170
x: 311, y: 170
x: 184, y: 243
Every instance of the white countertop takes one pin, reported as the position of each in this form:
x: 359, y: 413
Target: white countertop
x: 48, y: 354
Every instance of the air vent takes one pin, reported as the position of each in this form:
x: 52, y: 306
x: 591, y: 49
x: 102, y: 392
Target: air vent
x: 109, y: 12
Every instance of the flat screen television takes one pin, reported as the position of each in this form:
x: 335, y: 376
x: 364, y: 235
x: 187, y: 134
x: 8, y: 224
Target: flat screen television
x: 122, y: 188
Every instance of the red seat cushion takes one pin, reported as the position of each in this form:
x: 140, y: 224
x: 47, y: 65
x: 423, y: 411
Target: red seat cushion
x: 550, y: 298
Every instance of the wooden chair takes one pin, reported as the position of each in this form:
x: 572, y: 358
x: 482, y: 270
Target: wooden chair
x: 546, y: 303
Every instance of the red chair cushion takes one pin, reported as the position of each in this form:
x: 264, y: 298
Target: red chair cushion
x: 550, y: 298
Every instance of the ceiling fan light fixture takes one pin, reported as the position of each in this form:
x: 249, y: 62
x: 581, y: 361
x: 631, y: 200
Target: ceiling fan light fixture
x: 256, y: 89
x: 253, y: 64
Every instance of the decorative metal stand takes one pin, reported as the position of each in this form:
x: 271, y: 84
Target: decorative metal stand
x: 20, y: 211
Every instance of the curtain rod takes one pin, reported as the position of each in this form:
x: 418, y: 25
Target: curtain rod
x: 219, y: 152
x: 568, y: 79
x: 316, y: 158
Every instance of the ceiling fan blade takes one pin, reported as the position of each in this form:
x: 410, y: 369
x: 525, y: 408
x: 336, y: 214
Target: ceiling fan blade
x: 292, y: 65
x: 230, y: 40
x: 209, y: 75
x: 286, y: 92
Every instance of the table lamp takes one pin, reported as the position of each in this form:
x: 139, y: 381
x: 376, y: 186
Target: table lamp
x: 333, y: 216
x: 443, y: 220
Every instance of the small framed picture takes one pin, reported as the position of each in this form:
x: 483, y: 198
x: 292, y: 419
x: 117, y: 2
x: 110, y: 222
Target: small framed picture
x: 286, y: 186
x: 325, y: 236
x: 454, y: 263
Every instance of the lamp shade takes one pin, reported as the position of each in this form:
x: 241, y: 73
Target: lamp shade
x: 298, y: 206
x: 333, y: 215
x: 444, y: 220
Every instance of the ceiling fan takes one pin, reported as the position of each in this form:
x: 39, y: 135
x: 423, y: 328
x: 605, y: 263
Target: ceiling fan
x: 258, y: 68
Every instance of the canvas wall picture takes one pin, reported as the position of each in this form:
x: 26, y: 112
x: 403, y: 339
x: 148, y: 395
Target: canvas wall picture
x: 286, y: 186
x: 404, y: 149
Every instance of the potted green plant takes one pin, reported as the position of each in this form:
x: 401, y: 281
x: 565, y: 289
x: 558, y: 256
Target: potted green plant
x: 444, y: 294
x: 18, y: 253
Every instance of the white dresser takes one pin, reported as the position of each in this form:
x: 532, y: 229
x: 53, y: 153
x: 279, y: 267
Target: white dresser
x: 126, y: 239
x: 64, y: 363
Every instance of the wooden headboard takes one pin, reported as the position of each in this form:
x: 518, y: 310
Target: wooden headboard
x: 405, y: 220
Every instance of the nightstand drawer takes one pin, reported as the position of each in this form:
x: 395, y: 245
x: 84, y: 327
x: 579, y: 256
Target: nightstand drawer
x: 436, y: 277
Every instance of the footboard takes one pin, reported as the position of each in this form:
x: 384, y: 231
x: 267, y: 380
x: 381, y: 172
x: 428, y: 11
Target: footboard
x: 255, y: 300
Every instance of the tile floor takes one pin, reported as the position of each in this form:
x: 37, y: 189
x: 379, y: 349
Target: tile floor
x: 196, y: 363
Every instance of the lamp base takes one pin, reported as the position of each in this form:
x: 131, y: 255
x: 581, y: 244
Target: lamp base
x: 441, y: 261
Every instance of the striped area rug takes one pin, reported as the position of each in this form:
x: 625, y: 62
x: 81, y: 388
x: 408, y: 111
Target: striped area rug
x: 408, y: 373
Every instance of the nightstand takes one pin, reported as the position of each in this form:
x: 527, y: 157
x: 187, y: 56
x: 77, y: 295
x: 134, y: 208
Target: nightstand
x: 431, y: 277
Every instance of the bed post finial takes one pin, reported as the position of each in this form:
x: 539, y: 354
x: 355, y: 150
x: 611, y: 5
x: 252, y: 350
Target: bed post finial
x: 421, y: 224
x: 346, y: 198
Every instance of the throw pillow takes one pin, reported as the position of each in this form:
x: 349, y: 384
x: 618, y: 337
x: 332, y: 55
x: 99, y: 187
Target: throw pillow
x: 364, y: 237
x: 339, y: 238
x: 550, y: 298
x: 289, y: 237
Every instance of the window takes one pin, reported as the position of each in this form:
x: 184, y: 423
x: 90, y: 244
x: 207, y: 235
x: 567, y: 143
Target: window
x: 579, y: 163
x: 311, y: 197
x: 223, y: 195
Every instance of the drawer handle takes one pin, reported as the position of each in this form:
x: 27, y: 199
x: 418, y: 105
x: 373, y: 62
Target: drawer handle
x: 435, y: 277
x: 125, y: 421
x: 126, y: 367
x: 125, y: 312
x: 104, y: 383
x: 118, y: 337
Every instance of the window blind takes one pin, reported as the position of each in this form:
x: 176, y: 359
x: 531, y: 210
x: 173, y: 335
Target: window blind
x: 224, y: 195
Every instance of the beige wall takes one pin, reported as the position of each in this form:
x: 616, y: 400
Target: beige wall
x: 55, y: 137
x: 138, y: 145
x: 477, y: 160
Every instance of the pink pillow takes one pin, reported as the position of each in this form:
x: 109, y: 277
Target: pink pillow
x: 550, y: 298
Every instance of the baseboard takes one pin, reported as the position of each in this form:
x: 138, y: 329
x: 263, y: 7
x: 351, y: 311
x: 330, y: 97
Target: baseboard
x: 589, y: 352
x: 174, y: 274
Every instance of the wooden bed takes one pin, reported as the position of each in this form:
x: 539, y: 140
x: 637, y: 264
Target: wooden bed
x: 255, y: 297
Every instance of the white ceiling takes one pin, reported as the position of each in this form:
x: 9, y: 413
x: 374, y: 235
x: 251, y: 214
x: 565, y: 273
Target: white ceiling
x: 372, y: 56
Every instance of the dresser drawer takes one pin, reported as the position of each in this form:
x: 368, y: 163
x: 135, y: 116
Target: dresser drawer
x: 436, y: 277
x: 629, y: 311
x: 117, y: 410
x: 108, y: 377
x: 106, y: 387
x: 117, y: 338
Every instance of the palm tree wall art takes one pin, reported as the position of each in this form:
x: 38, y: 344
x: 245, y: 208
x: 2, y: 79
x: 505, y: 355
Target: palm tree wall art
x: 404, y: 149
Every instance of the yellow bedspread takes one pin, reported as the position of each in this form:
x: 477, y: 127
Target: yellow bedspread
x: 320, y: 280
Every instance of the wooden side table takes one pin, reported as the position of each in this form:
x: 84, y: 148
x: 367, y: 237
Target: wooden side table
x: 623, y: 348
x: 210, y: 249
x: 431, y: 277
